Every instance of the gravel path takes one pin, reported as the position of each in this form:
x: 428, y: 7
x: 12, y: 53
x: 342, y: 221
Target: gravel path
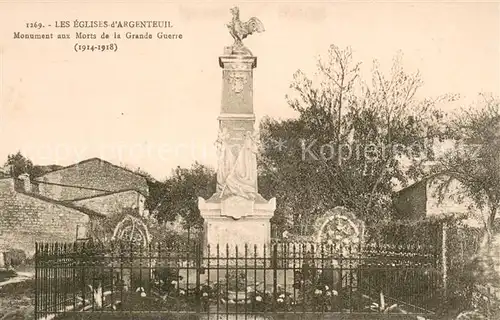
x: 20, y: 277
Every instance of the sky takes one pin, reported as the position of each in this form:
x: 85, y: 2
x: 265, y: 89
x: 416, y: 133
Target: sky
x: 153, y: 104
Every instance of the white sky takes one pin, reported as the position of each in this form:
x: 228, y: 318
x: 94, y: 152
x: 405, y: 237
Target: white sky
x: 153, y: 104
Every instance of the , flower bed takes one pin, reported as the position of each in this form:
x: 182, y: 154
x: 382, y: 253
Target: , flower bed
x: 237, y: 292
x: 233, y: 295
x: 258, y: 299
x: 309, y: 293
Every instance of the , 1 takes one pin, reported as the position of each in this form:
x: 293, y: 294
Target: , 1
x: 34, y: 25
x: 95, y: 47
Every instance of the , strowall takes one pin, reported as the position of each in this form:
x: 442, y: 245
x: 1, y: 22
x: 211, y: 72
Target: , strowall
x: 25, y: 219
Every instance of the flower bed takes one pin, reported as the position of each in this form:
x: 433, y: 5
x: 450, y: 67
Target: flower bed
x: 235, y: 291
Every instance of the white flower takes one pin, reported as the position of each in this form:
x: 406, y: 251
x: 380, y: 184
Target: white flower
x: 282, y: 295
x: 335, y: 293
x: 327, y: 288
x: 182, y: 292
x: 205, y: 294
x: 280, y: 300
x: 258, y: 298
x: 317, y: 291
x: 143, y: 294
x: 328, y: 293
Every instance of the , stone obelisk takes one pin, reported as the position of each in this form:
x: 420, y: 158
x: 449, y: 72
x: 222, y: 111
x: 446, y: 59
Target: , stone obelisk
x: 237, y: 214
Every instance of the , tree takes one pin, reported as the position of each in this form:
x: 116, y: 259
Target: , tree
x: 475, y: 160
x: 178, y: 194
x: 19, y: 164
x: 348, y: 143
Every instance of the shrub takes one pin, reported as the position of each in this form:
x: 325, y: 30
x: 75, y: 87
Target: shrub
x: 480, y: 284
x: 14, y: 258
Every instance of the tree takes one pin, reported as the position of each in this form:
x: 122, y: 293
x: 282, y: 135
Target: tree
x: 347, y: 145
x: 475, y: 160
x: 19, y: 164
x: 178, y: 194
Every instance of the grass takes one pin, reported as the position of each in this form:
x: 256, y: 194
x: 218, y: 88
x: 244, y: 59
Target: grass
x: 6, y: 275
x: 17, y: 301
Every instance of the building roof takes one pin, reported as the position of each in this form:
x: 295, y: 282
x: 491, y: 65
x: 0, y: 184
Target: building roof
x: 101, y: 195
x: 64, y: 204
x: 52, y: 201
x: 81, y: 178
x: 39, y: 170
x: 420, y: 182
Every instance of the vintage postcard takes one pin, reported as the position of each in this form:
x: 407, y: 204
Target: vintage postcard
x: 249, y: 160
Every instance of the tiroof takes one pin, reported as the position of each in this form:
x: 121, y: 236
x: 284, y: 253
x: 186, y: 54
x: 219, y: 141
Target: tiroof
x: 56, y: 202
x: 142, y: 185
x: 423, y: 180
